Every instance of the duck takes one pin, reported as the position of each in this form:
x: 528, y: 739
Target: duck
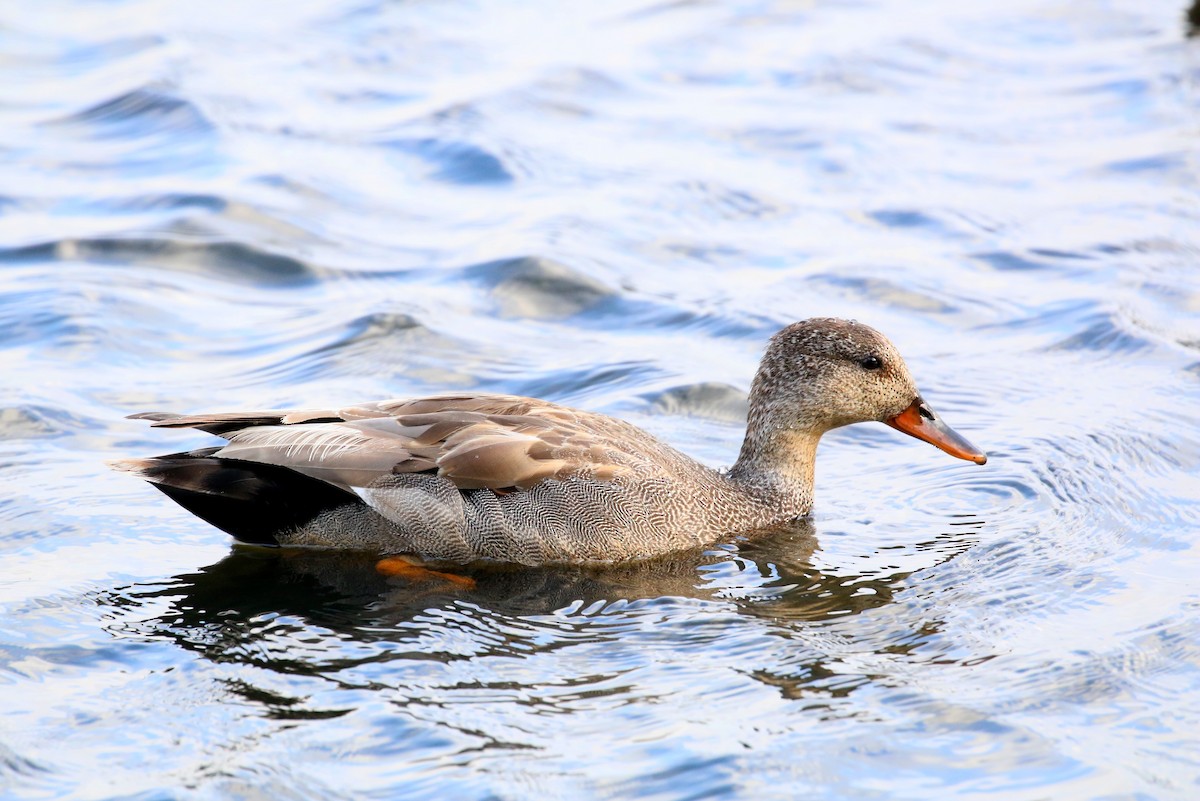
x: 466, y: 478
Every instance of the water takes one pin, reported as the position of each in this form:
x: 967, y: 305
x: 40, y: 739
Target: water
x: 610, y: 205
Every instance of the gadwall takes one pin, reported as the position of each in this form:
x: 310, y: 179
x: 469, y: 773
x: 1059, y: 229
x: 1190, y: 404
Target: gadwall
x: 467, y: 477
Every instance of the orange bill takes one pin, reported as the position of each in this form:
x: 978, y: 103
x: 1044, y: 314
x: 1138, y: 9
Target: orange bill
x: 919, y: 421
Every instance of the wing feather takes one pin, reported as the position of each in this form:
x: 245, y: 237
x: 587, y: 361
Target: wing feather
x: 475, y: 441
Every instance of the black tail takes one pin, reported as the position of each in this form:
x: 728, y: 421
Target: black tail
x: 252, y: 501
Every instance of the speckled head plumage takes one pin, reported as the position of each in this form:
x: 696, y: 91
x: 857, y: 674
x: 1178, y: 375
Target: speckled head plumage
x: 824, y: 373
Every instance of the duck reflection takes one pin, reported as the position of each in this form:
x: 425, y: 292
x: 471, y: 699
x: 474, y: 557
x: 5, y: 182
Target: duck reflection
x: 313, y: 611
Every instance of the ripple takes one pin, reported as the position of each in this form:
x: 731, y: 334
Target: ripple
x: 15, y: 763
x: 1105, y: 333
x: 702, y: 321
x: 36, y: 422
x: 171, y: 201
x: 586, y: 381
x: 21, y: 770
x: 907, y: 218
x: 883, y: 292
x: 539, y: 288
x: 138, y: 113
x: 457, y: 162
x: 1007, y: 261
x: 142, y: 133
x: 707, y: 399
x: 1160, y: 164
x: 392, y: 342
x: 27, y: 321
x: 234, y: 261
x: 704, y: 201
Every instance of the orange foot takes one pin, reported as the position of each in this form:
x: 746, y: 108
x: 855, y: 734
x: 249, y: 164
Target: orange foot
x: 406, y: 568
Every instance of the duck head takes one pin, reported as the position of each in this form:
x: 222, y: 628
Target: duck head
x: 823, y: 373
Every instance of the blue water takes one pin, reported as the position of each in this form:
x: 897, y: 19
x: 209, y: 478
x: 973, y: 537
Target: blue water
x: 222, y: 206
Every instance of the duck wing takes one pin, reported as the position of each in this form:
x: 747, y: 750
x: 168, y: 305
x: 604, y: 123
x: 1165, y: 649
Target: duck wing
x: 499, y: 442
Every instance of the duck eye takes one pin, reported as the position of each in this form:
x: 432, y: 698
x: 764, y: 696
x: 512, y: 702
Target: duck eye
x: 871, y: 363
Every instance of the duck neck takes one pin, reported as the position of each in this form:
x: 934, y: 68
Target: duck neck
x: 779, y: 462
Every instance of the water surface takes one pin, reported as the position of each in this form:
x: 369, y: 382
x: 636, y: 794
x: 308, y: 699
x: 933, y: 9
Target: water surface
x: 613, y: 206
